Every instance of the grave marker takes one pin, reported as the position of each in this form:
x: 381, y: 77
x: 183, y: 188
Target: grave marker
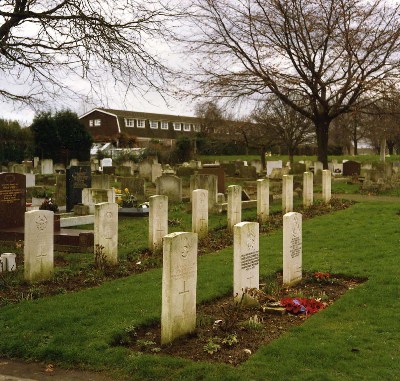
x: 234, y: 207
x: 245, y: 258
x: 106, y: 230
x: 200, y: 212
x: 12, y: 200
x: 326, y: 186
x: 178, y: 313
x: 262, y: 200
x: 77, y: 178
x: 287, y: 193
x: 292, y: 248
x: 38, y: 245
x: 158, y: 221
x: 308, y: 188
x: 170, y: 186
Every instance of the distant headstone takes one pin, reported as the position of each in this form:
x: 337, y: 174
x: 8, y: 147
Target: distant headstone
x: 106, y: 162
x: 245, y: 258
x: 145, y: 169
x: 74, y: 162
x: 326, y: 186
x: 208, y: 182
x: 38, y: 245
x: 60, y: 196
x: 257, y: 165
x: 106, y: 231
x: 278, y: 173
x: 287, y: 193
x: 273, y: 164
x: 383, y: 150
x: 135, y: 185
x: 109, y: 170
x: 351, y: 168
x: 308, y: 188
x: 92, y: 196
x: 297, y: 168
x: 101, y: 181
x: 248, y: 172
x: 30, y: 180
x: 47, y: 167
x: 318, y: 167
x: 200, y: 212
x: 35, y: 162
x: 12, y: 200
x: 234, y: 208
x: 8, y: 262
x: 292, y: 248
x: 217, y: 171
x: 229, y: 169
x: 77, y: 178
x: 123, y: 171
x: 262, y: 200
x: 156, y: 172
x: 158, y: 221
x: 171, y: 186
x: 337, y: 169
x: 179, y: 281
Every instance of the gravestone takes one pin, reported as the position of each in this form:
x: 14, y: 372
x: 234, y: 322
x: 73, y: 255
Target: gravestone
x: 59, y: 168
x: 208, y: 182
x: 8, y: 262
x: 156, y: 172
x: 77, y: 178
x: 217, y: 171
x: 273, y: 164
x: 60, y: 196
x: 257, y: 165
x: 308, y: 188
x: 145, y: 169
x: 12, y: 200
x: 106, y: 231
x: 297, y: 168
x: 92, y: 196
x: 326, y: 186
x: 245, y: 258
x: 351, y: 168
x: 382, y: 150
x: 229, y: 169
x: 109, y: 170
x: 38, y: 245
x: 234, y: 207
x: 248, y: 172
x: 337, y: 169
x: 47, y: 167
x: 287, y: 193
x: 200, y: 212
x: 262, y: 200
x: 30, y: 179
x: 158, y: 221
x: 179, y: 281
x: 35, y: 162
x: 123, y: 171
x: 73, y: 162
x: 292, y: 248
x: 278, y: 173
x: 170, y: 186
x: 135, y: 185
x: 106, y: 162
x: 101, y: 181
x: 318, y: 167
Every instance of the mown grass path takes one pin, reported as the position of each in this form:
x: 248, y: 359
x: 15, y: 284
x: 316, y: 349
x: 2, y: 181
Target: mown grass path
x: 358, y: 338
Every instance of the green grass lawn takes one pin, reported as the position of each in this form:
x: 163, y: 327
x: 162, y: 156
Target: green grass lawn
x: 357, y: 338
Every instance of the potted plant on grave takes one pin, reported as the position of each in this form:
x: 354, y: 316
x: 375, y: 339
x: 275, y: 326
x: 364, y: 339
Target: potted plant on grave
x: 39, y: 195
x: 48, y: 204
x: 128, y: 204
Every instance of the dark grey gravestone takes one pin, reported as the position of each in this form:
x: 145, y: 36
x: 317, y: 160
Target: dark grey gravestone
x: 12, y: 200
x: 78, y: 177
x: 351, y: 168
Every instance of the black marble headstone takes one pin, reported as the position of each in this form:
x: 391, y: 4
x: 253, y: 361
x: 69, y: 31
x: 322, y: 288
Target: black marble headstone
x: 351, y: 168
x: 78, y: 177
x: 12, y: 200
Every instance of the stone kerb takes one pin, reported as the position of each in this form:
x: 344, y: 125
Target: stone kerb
x: 326, y: 186
x: 200, y: 212
x: 245, y: 258
x: 179, y: 280
x: 39, y: 245
x: 287, y: 193
x: 106, y: 231
x: 292, y: 248
x: 262, y: 200
x: 234, y: 207
x: 158, y: 221
x: 308, y: 188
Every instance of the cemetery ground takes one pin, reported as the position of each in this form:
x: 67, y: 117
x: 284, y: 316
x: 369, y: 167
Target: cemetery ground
x: 357, y: 337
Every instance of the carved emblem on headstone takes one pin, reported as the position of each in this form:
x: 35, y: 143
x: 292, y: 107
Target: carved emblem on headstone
x: 41, y: 222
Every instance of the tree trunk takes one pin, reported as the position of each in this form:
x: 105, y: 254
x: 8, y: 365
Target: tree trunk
x: 322, y: 130
x: 355, y: 143
x: 390, y: 146
x: 263, y: 152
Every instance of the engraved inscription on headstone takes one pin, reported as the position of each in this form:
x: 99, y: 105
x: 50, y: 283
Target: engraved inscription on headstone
x: 77, y: 178
x: 12, y: 200
x: 292, y: 248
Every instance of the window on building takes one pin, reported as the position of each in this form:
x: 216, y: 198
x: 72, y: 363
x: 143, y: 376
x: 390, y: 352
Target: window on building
x: 177, y: 126
x: 91, y: 123
x: 130, y: 122
x: 186, y: 127
x: 141, y: 123
x: 153, y: 124
x: 97, y: 122
x: 196, y: 127
x: 164, y: 125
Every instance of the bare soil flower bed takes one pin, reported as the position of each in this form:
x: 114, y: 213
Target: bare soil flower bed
x: 230, y: 332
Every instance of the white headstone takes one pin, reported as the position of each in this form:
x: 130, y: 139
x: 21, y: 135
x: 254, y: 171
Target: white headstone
x: 30, y: 179
x: 273, y: 164
x: 8, y: 262
x: 106, y: 230
x: 292, y: 248
x: 308, y: 188
x: 47, y: 167
x: 200, y: 212
x: 383, y: 149
x: 234, y: 207
x: 326, y: 186
x: 245, y: 258
x: 158, y: 221
x: 38, y: 245
x: 262, y: 200
x: 318, y: 167
x: 156, y: 172
x: 106, y: 162
x: 178, y: 314
x: 170, y: 186
x: 287, y: 193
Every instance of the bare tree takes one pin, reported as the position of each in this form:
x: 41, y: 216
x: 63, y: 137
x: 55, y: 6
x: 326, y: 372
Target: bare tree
x: 285, y: 125
x: 329, y: 53
x: 42, y: 42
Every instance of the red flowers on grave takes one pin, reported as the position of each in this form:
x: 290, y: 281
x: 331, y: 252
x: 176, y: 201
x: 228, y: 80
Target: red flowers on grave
x: 298, y: 306
x: 321, y: 276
